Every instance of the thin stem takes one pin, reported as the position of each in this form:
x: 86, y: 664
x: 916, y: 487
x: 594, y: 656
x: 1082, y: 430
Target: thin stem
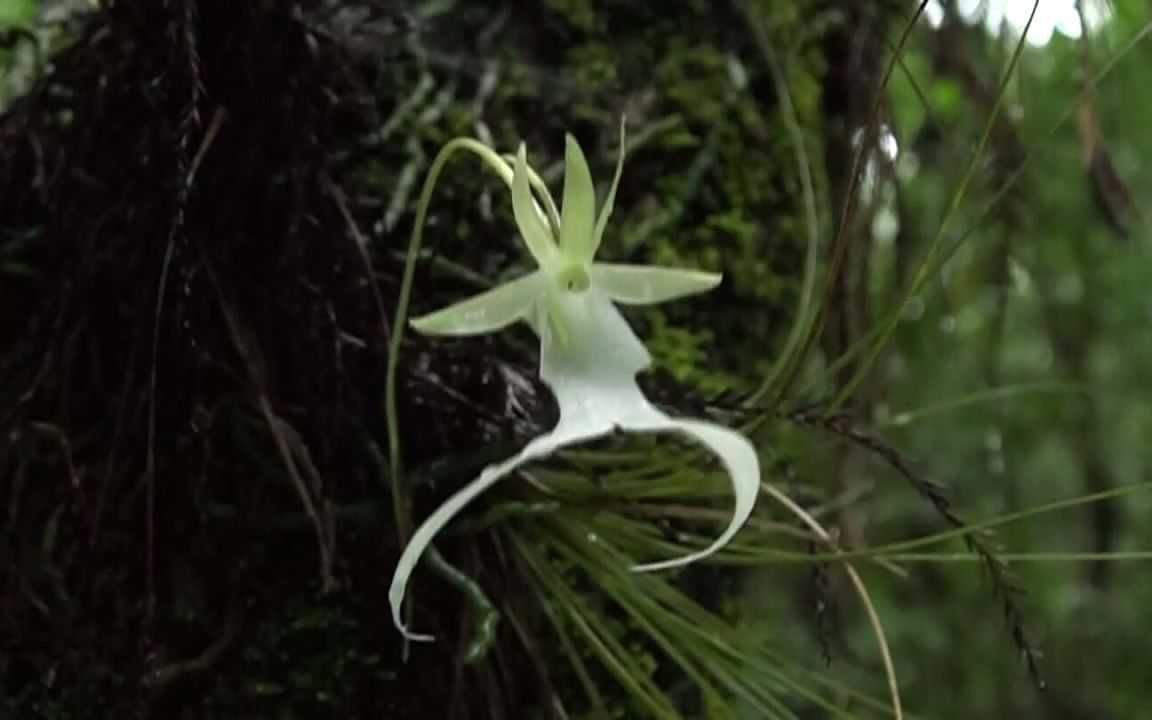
x: 793, y: 346
x: 400, y: 320
x: 861, y: 590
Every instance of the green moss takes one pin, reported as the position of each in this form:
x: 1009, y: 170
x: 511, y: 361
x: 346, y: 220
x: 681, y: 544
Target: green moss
x: 713, y: 183
x: 579, y: 13
x: 593, y: 66
x: 304, y: 661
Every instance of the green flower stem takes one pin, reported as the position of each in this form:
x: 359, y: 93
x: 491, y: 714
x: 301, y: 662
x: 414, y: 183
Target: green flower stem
x: 400, y: 320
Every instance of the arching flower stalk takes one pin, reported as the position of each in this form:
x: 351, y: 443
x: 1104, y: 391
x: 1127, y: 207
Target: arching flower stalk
x: 589, y: 355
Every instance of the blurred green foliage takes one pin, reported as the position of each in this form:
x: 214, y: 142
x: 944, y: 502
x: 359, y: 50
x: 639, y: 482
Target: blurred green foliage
x: 1041, y: 298
x: 17, y: 12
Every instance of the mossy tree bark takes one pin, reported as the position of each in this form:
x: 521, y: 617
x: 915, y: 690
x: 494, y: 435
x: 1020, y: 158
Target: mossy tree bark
x: 203, y: 210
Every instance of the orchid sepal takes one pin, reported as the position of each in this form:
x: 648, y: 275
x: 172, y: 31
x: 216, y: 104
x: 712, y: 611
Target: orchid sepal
x: 487, y: 312
x: 650, y: 284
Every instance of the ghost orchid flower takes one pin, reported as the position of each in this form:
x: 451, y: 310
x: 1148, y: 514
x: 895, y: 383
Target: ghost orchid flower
x: 589, y: 355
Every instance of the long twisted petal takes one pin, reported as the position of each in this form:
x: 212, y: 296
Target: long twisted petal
x: 564, y: 434
x: 743, y: 467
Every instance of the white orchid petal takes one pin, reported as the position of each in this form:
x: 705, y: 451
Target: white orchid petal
x: 593, y: 377
x: 578, y: 213
x: 486, y: 312
x: 739, y: 459
x: 536, y: 234
x: 610, y: 201
x: 648, y: 284
x: 571, y: 429
x: 599, y: 349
